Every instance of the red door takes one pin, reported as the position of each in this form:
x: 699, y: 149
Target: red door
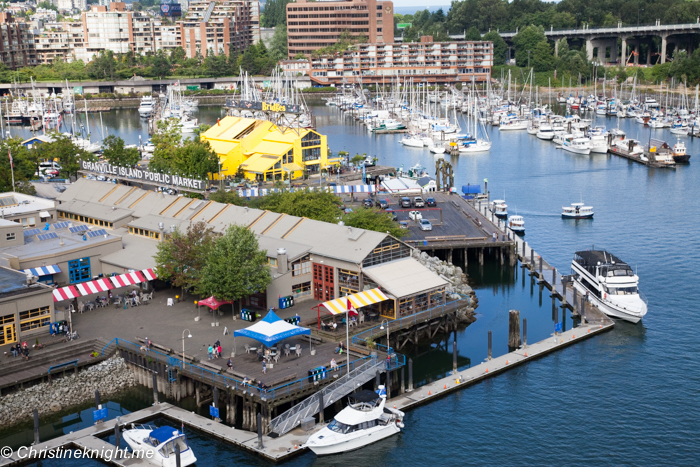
x: 324, y: 282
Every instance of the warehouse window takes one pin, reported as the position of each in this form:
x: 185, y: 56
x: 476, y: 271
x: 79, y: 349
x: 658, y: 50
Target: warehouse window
x: 79, y: 270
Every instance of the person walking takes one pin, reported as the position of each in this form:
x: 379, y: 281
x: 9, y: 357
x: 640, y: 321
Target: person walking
x: 229, y: 364
x: 264, y: 367
x: 211, y: 352
x: 218, y: 351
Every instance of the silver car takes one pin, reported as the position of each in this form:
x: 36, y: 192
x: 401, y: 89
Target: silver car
x: 425, y: 224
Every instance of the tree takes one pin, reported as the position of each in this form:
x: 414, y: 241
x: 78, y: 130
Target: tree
x: 374, y: 219
x: 194, y: 159
x: 24, y: 162
x: 500, y: 48
x: 542, y: 57
x: 115, y: 152
x: 525, y: 40
x: 320, y: 206
x: 166, y: 140
x: 160, y: 65
x: 278, y: 45
x: 103, y: 66
x: 472, y: 34
x: 63, y: 149
x: 235, y: 267
x: 181, y: 258
x: 178, y: 55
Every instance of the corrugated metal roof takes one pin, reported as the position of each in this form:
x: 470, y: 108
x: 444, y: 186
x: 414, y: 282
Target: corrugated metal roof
x: 223, y: 147
x: 404, y: 277
x: 260, y: 163
x: 272, y: 147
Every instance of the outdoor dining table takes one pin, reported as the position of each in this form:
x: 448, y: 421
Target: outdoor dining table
x: 90, y: 305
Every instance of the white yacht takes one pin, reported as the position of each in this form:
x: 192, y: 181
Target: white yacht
x: 517, y: 224
x: 364, y: 421
x: 412, y: 141
x: 158, y: 445
x: 499, y: 208
x: 472, y: 145
x: 577, y: 145
x: 511, y: 122
x: 609, y: 283
x: 146, y: 107
x: 577, y: 211
x: 545, y: 132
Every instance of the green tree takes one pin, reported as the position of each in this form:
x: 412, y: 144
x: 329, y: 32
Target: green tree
x: 102, y: 66
x: 180, y: 259
x: 542, y: 57
x: 500, y: 48
x: 472, y: 34
x: 194, y: 159
x: 115, y: 152
x: 526, y: 40
x: 65, y: 152
x: 278, y: 45
x: 178, y: 55
x: 374, y: 219
x: 167, y: 139
x: 235, y: 266
x: 160, y: 65
x: 24, y: 162
x: 320, y: 206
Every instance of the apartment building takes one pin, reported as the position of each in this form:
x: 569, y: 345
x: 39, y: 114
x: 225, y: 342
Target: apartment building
x: 17, y: 47
x: 313, y: 25
x: 220, y: 26
x: 61, y: 41
x: 70, y: 5
x: 107, y: 29
x: 425, y: 61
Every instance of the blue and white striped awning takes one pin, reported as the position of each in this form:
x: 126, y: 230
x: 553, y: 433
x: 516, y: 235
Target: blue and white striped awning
x: 43, y: 270
x: 355, y: 189
x: 254, y: 192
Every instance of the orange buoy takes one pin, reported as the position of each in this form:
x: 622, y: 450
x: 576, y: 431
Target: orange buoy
x: 526, y: 354
x: 487, y: 370
x: 589, y: 331
x: 429, y: 392
x: 506, y: 362
x: 295, y: 446
x: 445, y: 387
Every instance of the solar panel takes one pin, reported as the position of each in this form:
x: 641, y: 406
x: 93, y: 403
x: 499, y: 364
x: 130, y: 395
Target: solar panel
x: 96, y: 233
x: 31, y: 232
x: 47, y: 236
x: 60, y: 225
x: 79, y: 228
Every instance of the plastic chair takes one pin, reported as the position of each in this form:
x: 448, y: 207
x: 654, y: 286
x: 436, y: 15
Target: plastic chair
x: 298, y: 350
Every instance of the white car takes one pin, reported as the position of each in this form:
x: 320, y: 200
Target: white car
x: 415, y: 215
x: 425, y: 224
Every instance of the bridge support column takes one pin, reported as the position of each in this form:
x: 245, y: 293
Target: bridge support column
x: 623, y: 51
x: 556, y: 48
x: 613, y: 51
x: 636, y: 53
x: 589, y: 49
x: 664, y: 43
x: 649, y: 46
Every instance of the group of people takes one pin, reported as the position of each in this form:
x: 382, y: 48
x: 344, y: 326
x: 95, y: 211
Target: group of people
x: 20, y: 350
x: 215, y: 351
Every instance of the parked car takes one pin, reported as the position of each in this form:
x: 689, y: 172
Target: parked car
x: 405, y: 202
x: 403, y: 225
x: 368, y: 202
x: 425, y: 224
x: 418, y: 202
x: 382, y: 203
x: 415, y: 215
x: 393, y: 214
x: 430, y: 202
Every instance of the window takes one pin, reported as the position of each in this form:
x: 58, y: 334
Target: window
x: 34, y: 319
x: 301, y: 290
x: 10, y: 236
x: 272, y: 261
x: 79, y: 270
x: 301, y: 267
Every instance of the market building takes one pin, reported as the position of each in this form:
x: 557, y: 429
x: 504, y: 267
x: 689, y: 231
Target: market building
x: 264, y: 151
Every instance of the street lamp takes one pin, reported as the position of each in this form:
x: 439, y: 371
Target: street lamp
x: 189, y: 335
x: 387, y: 333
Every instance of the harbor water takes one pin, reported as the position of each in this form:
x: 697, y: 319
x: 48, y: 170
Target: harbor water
x: 627, y: 397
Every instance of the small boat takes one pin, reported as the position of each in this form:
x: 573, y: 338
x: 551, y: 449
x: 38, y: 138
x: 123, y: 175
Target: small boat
x: 364, y: 421
x: 680, y: 156
x: 577, y: 146
x: 158, y: 445
x: 577, y: 211
x: 146, y: 106
x: 545, y: 132
x: 517, y: 224
x: 412, y: 141
x: 499, y: 208
x: 609, y: 283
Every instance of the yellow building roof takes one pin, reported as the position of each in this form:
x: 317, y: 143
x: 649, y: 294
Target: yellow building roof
x: 229, y: 128
x: 223, y: 147
x: 260, y: 163
x: 270, y: 147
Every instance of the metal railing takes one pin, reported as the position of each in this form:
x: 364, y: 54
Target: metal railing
x: 400, y: 322
x: 72, y: 363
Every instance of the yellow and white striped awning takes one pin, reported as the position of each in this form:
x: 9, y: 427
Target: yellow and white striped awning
x: 358, y: 300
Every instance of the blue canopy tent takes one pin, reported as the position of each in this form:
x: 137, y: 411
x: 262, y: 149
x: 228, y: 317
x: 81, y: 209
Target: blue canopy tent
x: 270, y: 330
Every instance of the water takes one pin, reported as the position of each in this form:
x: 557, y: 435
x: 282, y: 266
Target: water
x: 627, y: 397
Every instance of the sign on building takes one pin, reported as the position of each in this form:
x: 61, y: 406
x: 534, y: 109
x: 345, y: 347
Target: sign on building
x: 170, y: 9
x: 142, y: 175
x: 404, y: 25
x: 78, y: 90
x: 267, y: 106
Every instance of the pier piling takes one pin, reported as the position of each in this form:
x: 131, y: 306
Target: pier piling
x: 410, y: 374
x: 403, y: 382
x: 554, y: 277
x: 97, y: 399
x: 117, y: 436
x: 36, y: 427
x: 514, y: 329
x: 321, y: 407
x: 556, y: 313
x: 155, y: 387
x: 178, y: 461
x: 532, y: 258
x: 454, y: 356
x: 388, y: 384
x: 260, y: 442
x: 524, y: 332
x: 377, y: 382
x: 490, y: 342
x: 541, y: 267
x: 563, y: 293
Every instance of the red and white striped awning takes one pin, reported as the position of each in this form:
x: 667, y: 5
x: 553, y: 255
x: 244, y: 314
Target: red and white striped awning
x: 149, y: 274
x: 89, y: 288
x: 65, y: 293
x: 130, y: 278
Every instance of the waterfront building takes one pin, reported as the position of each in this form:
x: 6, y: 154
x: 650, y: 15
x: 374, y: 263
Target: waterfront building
x: 61, y: 41
x: 26, y: 306
x: 296, y: 67
x: 264, y: 151
x: 17, y: 48
x: 425, y: 61
x: 219, y: 26
x: 314, y: 25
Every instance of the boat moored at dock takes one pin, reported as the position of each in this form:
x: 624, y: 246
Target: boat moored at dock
x: 517, y: 224
x: 157, y: 445
x: 609, y: 283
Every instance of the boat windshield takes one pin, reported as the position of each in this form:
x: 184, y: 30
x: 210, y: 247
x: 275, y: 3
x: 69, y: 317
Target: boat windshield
x: 338, y: 427
x: 623, y: 291
x: 168, y: 448
x: 620, y: 272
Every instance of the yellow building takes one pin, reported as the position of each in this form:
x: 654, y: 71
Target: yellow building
x: 266, y: 152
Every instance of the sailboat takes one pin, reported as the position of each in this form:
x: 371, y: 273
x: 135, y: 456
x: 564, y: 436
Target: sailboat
x: 474, y: 143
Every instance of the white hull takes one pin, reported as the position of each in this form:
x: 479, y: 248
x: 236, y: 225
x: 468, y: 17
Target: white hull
x: 365, y: 439
x: 545, y: 136
x: 150, y: 454
x: 575, y: 150
x: 513, y: 126
x: 480, y: 146
x: 576, y: 216
x: 609, y: 308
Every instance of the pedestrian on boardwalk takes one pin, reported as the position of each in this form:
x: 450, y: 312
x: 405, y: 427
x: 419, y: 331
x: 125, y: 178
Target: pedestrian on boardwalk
x: 218, y: 351
x: 211, y: 352
x: 264, y: 367
x: 229, y: 364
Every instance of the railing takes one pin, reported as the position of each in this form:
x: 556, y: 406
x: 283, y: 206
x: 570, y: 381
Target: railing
x: 641, y: 27
x: 410, y: 319
x: 63, y: 365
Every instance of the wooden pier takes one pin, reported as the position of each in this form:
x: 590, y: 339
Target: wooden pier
x: 634, y: 157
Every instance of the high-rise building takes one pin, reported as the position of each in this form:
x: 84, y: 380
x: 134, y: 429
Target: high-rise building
x: 219, y: 26
x: 17, y: 48
x: 61, y: 41
x: 313, y: 25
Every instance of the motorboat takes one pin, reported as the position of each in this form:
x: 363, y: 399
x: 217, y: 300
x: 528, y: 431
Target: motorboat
x: 364, y: 421
x: 517, y: 224
x: 146, y: 106
x: 545, y: 132
x: 577, y: 146
x: 512, y: 123
x: 608, y: 283
x: 577, y: 211
x: 436, y: 148
x: 412, y: 141
x: 680, y: 156
x: 157, y: 445
x: 499, y: 208
x: 631, y: 146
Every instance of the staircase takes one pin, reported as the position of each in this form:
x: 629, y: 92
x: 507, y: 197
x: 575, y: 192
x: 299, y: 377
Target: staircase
x: 343, y: 386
